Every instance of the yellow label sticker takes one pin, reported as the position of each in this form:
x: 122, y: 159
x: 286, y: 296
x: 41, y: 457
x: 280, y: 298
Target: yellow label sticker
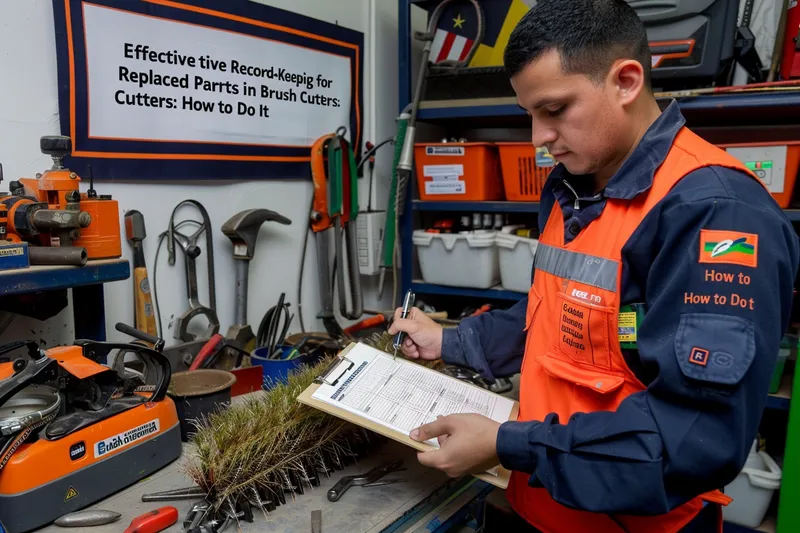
x: 626, y: 327
x: 71, y: 493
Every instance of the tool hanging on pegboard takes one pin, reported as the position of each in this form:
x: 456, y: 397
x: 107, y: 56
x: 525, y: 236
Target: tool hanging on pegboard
x: 335, y: 209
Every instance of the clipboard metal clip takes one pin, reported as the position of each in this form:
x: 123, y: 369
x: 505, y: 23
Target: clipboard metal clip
x: 327, y: 376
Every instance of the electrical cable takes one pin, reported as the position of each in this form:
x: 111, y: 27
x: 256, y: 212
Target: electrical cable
x: 372, y: 151
x: 302, y: 265
x: 271, y: 332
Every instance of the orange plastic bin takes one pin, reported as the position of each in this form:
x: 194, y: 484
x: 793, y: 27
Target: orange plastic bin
x: 776, y: 164
x: 523, y: 179
x: 467, y: 171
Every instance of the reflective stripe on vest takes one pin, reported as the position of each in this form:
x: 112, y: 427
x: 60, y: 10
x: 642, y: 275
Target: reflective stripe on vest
x: 594, y: 271
x: 573, y: 361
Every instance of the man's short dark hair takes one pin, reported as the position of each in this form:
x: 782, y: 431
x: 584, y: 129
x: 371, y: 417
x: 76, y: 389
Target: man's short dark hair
x: 589, y: 35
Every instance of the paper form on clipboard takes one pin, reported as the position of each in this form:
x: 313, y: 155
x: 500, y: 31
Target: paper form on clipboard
x: 396, y: 396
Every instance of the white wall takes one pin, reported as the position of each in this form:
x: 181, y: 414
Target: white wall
x: 29, y: 109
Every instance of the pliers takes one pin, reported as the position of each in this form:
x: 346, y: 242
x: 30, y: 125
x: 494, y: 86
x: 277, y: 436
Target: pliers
x: 365, y: 479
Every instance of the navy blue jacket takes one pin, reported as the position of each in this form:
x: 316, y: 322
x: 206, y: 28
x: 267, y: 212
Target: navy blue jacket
x: 686, y: 434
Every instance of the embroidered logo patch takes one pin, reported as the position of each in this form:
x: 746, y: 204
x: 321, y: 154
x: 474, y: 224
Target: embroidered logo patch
x: 732, y: 247
x: 699, y: 356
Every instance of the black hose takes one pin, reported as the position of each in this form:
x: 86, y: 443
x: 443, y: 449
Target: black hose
x: 272, y: 331
x: 372, y: 151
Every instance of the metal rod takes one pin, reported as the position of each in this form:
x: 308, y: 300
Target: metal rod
x: 242, y: 275
x: 57, y: 255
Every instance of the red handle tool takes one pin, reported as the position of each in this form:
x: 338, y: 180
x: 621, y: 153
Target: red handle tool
x: 209, y: 349
x: 154, y: 521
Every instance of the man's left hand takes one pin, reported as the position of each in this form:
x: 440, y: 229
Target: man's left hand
x: 467, y: 444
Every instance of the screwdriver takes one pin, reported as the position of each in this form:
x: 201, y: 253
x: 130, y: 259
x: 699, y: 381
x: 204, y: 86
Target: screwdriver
x: 408, y: 303
x: 154, y: 521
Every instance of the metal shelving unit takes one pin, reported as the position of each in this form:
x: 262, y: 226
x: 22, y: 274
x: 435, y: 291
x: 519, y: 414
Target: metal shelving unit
x: 507, y: 106
x: 746, y: 110
x: 86, y: 282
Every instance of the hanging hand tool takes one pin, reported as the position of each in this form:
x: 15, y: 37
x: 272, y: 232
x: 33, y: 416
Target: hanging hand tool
x: 154, y: 521
x: 364, y: 479
x: 335, y: 207
x: 191, y: 251
x: 145, y: 319
x: 242, y: 229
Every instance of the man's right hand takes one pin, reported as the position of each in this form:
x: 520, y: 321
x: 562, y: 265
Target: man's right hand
x: 423, y: 335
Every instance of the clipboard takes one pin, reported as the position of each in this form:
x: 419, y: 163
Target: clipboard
x: 339, y: 368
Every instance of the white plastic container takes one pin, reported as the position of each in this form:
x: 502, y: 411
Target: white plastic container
x: 457, y: 260
x: 752, y: 490
x: 516, y: 261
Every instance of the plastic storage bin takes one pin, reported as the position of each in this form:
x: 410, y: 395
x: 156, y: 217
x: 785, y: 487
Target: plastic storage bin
x: 458, y: 171
x: 752, y: 490
x: 456, y: 260
x: 775, y: 164
x: 516, y: 261
x: 524, y: 170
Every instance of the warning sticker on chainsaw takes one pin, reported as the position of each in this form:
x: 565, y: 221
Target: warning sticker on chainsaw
x: 125, y: 438
x: 71, y: 493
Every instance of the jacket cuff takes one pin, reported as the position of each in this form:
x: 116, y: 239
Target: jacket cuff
x: 514, y: 448
x: 452, y: 350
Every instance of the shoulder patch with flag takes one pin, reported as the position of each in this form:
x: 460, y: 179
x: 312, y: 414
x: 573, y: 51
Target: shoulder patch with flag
x: 731, y: 247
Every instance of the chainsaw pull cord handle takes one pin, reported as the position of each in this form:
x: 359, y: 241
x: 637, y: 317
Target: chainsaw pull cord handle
x: 158, y: 344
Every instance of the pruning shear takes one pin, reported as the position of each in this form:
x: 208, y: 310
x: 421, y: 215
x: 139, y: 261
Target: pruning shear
x: 369, y: 479
x: 333, y: 170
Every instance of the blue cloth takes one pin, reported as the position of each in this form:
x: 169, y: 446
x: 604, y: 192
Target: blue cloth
x: 690, y: 431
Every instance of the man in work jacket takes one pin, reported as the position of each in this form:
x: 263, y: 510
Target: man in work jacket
x: 641, y: 218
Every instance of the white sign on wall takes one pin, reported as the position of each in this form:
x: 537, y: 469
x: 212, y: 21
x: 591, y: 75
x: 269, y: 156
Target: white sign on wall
x: 211, y: 89
x: 155, y: 79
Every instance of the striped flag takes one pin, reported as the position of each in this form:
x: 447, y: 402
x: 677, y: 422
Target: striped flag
x: 449, y: 46
x: 458, y: 25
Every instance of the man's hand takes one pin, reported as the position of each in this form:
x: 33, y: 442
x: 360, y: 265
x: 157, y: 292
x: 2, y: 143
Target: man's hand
x: 423, y: 335
x: 467, y: 444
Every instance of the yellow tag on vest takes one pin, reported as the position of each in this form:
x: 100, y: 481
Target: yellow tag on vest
x: 628, y: 322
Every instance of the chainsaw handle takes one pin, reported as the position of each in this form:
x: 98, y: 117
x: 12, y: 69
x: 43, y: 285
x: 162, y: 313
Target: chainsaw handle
x: 154, y: 361
x: 158, y: 344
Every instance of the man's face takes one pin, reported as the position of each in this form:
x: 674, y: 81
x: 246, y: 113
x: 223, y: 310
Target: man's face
x: 575, y: 118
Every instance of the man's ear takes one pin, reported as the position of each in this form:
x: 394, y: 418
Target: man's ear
x: 626, y: 78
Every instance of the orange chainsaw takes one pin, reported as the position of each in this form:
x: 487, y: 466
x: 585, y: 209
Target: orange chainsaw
x: 74, y: 430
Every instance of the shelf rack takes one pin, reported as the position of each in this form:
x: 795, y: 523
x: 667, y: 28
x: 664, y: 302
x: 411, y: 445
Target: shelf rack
x: 86, y: 282
x: 778, y: 111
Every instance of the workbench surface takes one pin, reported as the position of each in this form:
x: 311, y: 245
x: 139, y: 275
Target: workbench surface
x: 360, y: 510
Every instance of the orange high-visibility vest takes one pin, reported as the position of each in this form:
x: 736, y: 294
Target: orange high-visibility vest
x: 581, y: 369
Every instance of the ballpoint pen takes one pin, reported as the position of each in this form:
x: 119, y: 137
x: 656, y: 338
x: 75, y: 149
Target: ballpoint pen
x: 408, y: 303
